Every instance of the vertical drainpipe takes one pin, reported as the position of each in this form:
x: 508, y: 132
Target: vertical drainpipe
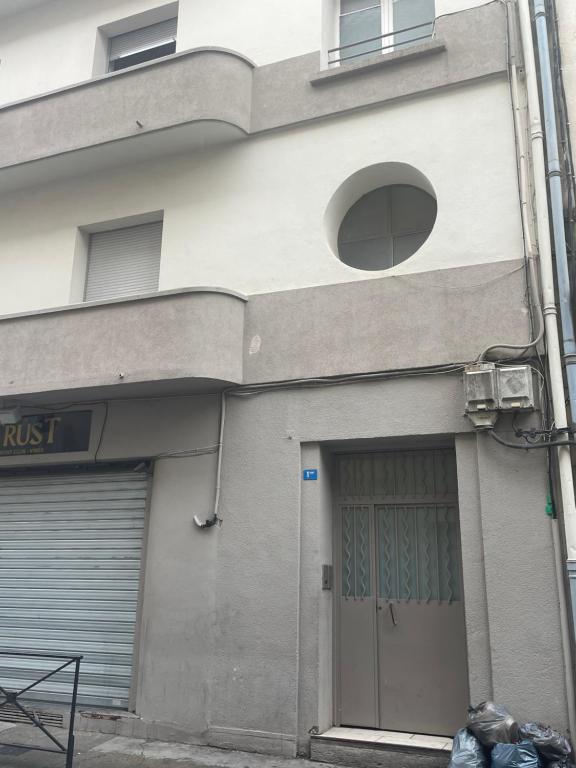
x: 554, y: 358
x: 556, y: 201
x: 557, y: 210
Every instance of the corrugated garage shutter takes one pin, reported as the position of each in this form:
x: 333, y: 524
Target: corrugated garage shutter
x: 124, y: 262
x: 70, y: 558
x: 141, y: 39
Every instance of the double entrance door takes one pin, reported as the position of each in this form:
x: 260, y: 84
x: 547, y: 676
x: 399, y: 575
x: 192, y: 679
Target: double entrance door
x: 400, y: 630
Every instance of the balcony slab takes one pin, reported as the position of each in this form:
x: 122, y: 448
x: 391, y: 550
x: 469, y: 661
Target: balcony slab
x: 171, y: 342
x: 184, y: 89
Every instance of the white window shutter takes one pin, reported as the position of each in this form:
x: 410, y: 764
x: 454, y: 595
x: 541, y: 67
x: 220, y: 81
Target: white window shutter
x: 142, y: 39
x: 123, y: 262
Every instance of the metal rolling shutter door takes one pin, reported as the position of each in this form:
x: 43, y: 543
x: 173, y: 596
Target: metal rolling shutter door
x: 70, y: 559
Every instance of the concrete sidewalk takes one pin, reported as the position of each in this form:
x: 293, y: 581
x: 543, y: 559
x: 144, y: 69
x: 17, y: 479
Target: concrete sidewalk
x: 101, y: 751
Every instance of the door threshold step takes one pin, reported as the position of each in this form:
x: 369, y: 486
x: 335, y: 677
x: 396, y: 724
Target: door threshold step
x: 367, y: 748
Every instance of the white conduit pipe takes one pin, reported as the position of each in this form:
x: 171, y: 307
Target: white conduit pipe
x: 547, y: 280
x: 551, y: 325
x: 530, y: 247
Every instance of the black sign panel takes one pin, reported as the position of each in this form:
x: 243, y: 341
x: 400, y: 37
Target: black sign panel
x: 65, y: 432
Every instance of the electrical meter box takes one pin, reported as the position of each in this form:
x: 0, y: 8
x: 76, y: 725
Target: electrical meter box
x: 481, y: 388
x: 490, y: 390
x: 516, y: 388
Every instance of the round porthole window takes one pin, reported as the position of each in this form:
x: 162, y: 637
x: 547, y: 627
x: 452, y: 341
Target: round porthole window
x: 386, y: 226
x: 380, y: 216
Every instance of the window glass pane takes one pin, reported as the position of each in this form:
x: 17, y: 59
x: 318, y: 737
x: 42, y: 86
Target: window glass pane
x: 357, y: 28
x: 406, y: 245
x: 409, y: 13
x: 411, y: 210
x: 347, y: 6
x: 369, y: 217
x: 368, y: 254
x: 386, y: 226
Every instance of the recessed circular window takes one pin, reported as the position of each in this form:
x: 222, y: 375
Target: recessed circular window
x: 386, y: 226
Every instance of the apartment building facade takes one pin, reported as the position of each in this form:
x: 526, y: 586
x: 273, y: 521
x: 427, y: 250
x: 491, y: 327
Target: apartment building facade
x: 246, y: 251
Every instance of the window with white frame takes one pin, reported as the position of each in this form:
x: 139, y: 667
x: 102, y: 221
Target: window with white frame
x: 143, y: 44
x: 123, y: 262
x: 367, y: 27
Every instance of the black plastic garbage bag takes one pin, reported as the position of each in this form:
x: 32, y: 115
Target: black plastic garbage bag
x: 522, y: 755
x: 552, y: 746
x: 492, y: 724
x: 467, y: 752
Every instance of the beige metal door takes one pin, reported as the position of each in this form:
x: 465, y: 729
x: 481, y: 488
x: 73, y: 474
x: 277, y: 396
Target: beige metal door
x: 401, y: 634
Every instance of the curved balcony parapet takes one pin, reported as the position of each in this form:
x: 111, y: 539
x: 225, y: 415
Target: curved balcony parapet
x: 174, y: 341
x: 185, y: 89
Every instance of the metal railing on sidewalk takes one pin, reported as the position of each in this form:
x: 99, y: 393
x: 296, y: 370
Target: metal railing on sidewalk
x: 14, y: 698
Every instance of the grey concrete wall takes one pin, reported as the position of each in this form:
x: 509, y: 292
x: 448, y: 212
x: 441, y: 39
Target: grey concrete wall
x: 199, y: 85
x: 177, y: 625
x: 221, y: 86
x: 522, y: 596
x: 473, y: 568
x: 470, y: 45
x: 271, y: 548
x: 201, y: 339
x: 386, y: 323
x: 172, y: 670
x: 236, y: 635
x: 171, y: 339
x: 315, y: 684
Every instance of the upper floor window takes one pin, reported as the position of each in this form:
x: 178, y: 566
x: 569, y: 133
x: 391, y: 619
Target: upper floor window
x: 144, y: 44
x: 368, y: 27
x: 123, y: 262
x: 386, y: 226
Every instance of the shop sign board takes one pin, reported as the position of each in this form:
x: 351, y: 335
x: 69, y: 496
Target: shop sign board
x: 64, y: 432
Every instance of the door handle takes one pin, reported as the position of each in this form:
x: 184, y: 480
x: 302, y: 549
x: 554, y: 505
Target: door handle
x: 392, y: 614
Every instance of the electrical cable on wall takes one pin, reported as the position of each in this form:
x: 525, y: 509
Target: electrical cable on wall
x: 528, y: 446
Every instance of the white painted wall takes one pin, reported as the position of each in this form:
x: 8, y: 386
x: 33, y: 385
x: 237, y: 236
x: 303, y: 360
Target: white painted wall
x: 566, y: 10
x: 55, y: 44
x: 49, y: 44
x: 250, y: 216
x: 453, y: 6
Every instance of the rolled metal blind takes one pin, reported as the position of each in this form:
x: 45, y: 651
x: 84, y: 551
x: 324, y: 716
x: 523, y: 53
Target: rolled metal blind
x: 70, y: 558
x: 142, y: 39
x: 123, y: 262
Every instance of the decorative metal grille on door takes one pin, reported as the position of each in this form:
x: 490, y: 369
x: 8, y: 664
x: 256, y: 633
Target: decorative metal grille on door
x: 401, y: 637
x: 356, y: 577
x: 417, y: 474
x: 418, y: 555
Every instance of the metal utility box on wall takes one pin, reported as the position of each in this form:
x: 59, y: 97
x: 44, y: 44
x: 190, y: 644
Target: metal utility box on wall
x: 489, y: 389
x: 481, y: 392
x: 516, y: 388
